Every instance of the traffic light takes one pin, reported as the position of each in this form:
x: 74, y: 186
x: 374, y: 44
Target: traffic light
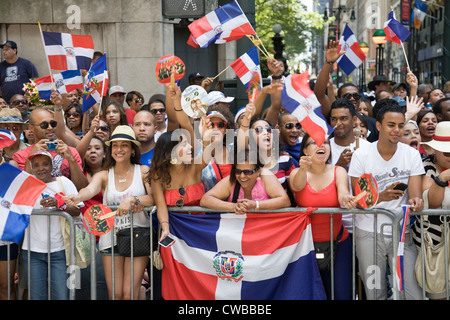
x: 173, y: 9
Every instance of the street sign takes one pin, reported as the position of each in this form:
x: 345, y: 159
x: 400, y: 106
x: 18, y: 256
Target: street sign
x: 173, y: 9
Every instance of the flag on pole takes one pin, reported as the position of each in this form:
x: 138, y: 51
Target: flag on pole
x: 247, y: 67
x: 394, y: 30
x: 192, y: 42
x: 419, y: 13
x: 353, y: 56
x: 225, y: 24
x: 18, y: 193
x: 7, y: 138
x: 241, y: 257
x: 298, y: 98
x: 95, y: 83
x: 401, y: 248
x: 67, y: 51
x: 64, y: 82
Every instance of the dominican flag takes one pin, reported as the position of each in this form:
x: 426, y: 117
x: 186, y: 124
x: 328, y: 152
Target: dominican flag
x: 419, y: 13
x: 298, y: 98
x: 7, y: 138
x: 241, y: 257
x: 247, y: 67
x: 95, y: 83
x: 401, y: 249
x: 225, y: 24
x: 394, y: 30
x: 18, y: 194
x: 64, y: 82
x: 353, y: 56
x: 67, y: 51
x: 192, y: 42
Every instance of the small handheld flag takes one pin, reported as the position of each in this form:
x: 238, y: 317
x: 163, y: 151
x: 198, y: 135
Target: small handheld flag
x: 353, y: 56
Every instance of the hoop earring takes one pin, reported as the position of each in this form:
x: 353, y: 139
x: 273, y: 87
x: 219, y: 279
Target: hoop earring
x: 173, y: 161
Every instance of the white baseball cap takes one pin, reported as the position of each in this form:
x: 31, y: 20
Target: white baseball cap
x: 218, y: 96
x: 116, y: 89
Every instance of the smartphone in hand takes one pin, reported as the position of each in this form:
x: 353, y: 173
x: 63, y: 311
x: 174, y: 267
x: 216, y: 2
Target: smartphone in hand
x: 166, y: 242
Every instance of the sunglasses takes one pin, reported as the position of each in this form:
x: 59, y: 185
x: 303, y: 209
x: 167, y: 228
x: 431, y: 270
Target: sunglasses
x: 19, y: 102
x: 73, y: 114
x: 247, y: 172
x: 44, y: 125
x: 155, y: 111
x: 219, y: 124
x: 180, y: 202
x: 12, y: 128
x: 312, y: 142
x: 103, y: 128
x: 291, y: 125
x: 260, y: 129
x: 139, y: 100
x: 355, y: 96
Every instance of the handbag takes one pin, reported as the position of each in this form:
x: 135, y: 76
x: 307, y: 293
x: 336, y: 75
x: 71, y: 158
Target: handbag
x: 141, y: 242
x: 323, y: 252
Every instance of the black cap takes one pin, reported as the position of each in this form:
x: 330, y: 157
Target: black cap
x: 195, y: 75
x: 377, y: 79
x: 9, y: 43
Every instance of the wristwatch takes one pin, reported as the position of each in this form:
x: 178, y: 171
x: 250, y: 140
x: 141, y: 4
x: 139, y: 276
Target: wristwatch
x: 440, y: 183
x: 277, y: 77
x: 330, y: 62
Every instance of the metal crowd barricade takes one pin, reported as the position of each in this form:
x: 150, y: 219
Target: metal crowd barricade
x: 150, y: 210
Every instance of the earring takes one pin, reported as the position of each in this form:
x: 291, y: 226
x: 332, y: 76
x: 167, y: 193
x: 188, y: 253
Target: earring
x: 173, y: 161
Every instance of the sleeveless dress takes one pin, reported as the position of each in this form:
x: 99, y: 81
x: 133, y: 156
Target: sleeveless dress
x: 192, y: 198
x: 114, y: 198
x: 320, y: 222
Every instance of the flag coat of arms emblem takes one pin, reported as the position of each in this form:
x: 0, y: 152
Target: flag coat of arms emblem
x: 298, y: 98
x: 67, y: 51
x: 226, y: 23
x: 247, y: 66
x: 18, y: 193
x: 241, y: 257
x: 95, y: 83
x: 64, y: 82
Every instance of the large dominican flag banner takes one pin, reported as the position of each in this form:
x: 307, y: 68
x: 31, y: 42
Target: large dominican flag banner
x: 247, y: 66
x: 226, y: 23
x: 298, y: 98
x: 64, y: 82
x: 353, y: 56
x: 67, y: 51
x: 241, y: 257
x: 95, y: 83
x: 18, y: 194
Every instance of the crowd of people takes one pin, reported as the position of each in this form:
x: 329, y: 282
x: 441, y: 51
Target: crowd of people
x: 132, y: 154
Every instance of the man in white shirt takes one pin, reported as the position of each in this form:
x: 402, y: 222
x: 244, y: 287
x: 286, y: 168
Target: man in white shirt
x: 390, y: 162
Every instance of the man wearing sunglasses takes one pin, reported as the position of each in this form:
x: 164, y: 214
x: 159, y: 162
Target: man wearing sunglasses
x: 66, y: 160
x: 290, y: 133
x: 19, y: 102
x: 157, y: 107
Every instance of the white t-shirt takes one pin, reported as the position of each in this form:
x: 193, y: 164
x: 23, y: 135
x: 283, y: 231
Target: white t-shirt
x: 39, y: 225
x: 404, y: 163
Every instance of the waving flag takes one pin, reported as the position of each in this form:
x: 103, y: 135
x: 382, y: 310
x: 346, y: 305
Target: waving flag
x: 226, y: 23
x: 400, y: 250
x: 95, y: 83
x: 247, y: 67
x: 67, y: 51
x: 394, y: 30
x: 18, y: 194
x: 419, y: 13
x: 298, y: 98
x: 7, y: 138
x: 241, y: 257
x: 353, y: 56
x: 64, y: 82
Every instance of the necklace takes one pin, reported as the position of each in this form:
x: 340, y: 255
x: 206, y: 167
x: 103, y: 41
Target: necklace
x: 124, y: 179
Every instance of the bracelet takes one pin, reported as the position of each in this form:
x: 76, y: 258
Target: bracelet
x: 177, y: 109
x: 277, y: 77
x: 137, y: 201
x: 439, y: 182
x: 257, y: 205
x: 330, y: 62
x: 164, y: 222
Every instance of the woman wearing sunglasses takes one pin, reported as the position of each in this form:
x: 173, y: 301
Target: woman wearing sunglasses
x: 318, y: 183
x: 248, y: 187
x: 74, y: 119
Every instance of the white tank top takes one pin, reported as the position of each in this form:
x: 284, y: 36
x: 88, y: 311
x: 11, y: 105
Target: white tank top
x: 114, y: 198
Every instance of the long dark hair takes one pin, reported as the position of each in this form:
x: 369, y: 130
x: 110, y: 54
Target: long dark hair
x: 135, y: 157
x: 105, y: 151
x: 243, y: 156
x: 303, y: 146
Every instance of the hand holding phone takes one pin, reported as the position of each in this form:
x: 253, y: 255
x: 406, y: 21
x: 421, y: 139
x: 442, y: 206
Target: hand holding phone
x: 166, y: 242
x: 401, y: 186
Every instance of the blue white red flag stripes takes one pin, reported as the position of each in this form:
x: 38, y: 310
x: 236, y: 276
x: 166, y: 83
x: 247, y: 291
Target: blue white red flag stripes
x: 246, y: 66
x: 298, y: 99
x: 67, y: 51
x: 394, y: 30
x: 64, y: 82
x: 226, y: 23
x: 353, y: 56
x: 401, y: 249
x: 241, y: 257
x: 95, y: 83
x: 419, y: 13
x: 7, y: 138
x: 18, y: 193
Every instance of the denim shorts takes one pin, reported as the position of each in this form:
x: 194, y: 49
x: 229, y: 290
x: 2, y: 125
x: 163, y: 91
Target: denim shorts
x: 108, y: 251
x: 13, y: 253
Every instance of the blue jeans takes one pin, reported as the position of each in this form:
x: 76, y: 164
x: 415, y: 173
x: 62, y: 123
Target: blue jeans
x: 39, y: 275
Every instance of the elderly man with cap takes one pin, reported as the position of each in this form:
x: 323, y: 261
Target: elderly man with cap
x: 11, y: 120
x: 14, y: 71
x: 117, y: 94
